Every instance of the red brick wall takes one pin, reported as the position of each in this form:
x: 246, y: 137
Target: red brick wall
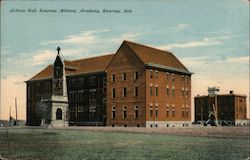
x: 240, y: 108
x: 163, y: 100
x: 231, y: 107
x: 125, y: 61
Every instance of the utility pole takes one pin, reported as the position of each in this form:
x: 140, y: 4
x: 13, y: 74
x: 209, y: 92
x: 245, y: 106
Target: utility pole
x: 16, y: 110
x: 10, y: 117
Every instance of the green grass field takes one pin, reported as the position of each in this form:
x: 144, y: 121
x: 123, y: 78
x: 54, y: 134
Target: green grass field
x: 77, y: 144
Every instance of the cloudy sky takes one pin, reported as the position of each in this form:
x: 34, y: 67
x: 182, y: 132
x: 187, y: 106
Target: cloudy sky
x: 211, y: 38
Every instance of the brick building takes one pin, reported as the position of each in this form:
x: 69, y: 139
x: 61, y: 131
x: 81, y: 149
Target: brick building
x: 227, y: 108
x: 147, y: 87
x: 86, y: 92
x: 136, y: 86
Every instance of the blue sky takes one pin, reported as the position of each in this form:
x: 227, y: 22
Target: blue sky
x: 210, y: 37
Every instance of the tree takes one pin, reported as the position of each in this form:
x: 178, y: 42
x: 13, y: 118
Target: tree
x: 43, y: 111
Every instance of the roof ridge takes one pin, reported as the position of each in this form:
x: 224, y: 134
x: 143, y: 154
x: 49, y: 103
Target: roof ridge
x: 148, y: 46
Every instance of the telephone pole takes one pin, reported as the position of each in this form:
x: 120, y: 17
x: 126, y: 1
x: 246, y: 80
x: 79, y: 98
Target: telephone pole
x: 16, y: 110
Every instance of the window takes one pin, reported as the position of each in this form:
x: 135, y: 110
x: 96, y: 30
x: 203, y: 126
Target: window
x: 80, y: 109
x: 104, y: 81
x: 73, y: 83
x: 173, y: 111
x: 124, y: 76
x: 124, y: 112
x: 124, y: 92
x: 156, y: 74
x: 92, y: 110
x: 167, y: 90
x: 183, y: 79
x: 151, y: 111
x: 81, y: 81
x: 183, y: 111
x: 59, y: 114
x: 104, y: 100
x: 186, y: 80
x: 92, y: 80
x: 151, y: 74
x: 136, y: 91
x: 156, y: 111
x: 156, y: 91
x: 113, y: 77
x: 136, y: 75
x: 92, y: 95
x: 182, y: 92
x: 113, y: 93
x: 72, y: 95
x: 167, y: 113
x: 173, y: 92
x: 172, y: 77
x: 104, y: 91
x: 136, y: 112
x: 241, y: 109
x: 80, y: 95
x: 57, y: 71
x: 113, y: 113
x: 151, y: 90
x: 186, y: 92
x: 167, y: 76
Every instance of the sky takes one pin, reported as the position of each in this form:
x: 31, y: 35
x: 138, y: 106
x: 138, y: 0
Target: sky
x: 211, y: 38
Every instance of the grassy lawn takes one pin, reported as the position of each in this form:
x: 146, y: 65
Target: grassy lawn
x: 77, y: 144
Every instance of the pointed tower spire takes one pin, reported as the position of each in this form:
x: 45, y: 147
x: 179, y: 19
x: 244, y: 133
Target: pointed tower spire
x: 58, y: 50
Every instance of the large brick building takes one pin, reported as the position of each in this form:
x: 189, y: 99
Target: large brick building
x: 226, y: 108
x: 136, y: 86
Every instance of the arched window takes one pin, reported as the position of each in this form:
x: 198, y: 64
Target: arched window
x: 59, y: 114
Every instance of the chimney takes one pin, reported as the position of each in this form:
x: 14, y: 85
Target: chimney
x: 231, y: 92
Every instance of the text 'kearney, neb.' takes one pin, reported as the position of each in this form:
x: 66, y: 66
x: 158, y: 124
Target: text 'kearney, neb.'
x: 94, y: 11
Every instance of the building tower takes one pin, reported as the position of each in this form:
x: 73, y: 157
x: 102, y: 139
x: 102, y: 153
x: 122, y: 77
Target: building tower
x: 213, y: 110
x: 59, y: 98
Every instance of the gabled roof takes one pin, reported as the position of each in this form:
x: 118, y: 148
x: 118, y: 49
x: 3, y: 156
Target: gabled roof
x: 151, y: 57
x: 44, y: 74
x: 81, y: 66
x: 157, y: 58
